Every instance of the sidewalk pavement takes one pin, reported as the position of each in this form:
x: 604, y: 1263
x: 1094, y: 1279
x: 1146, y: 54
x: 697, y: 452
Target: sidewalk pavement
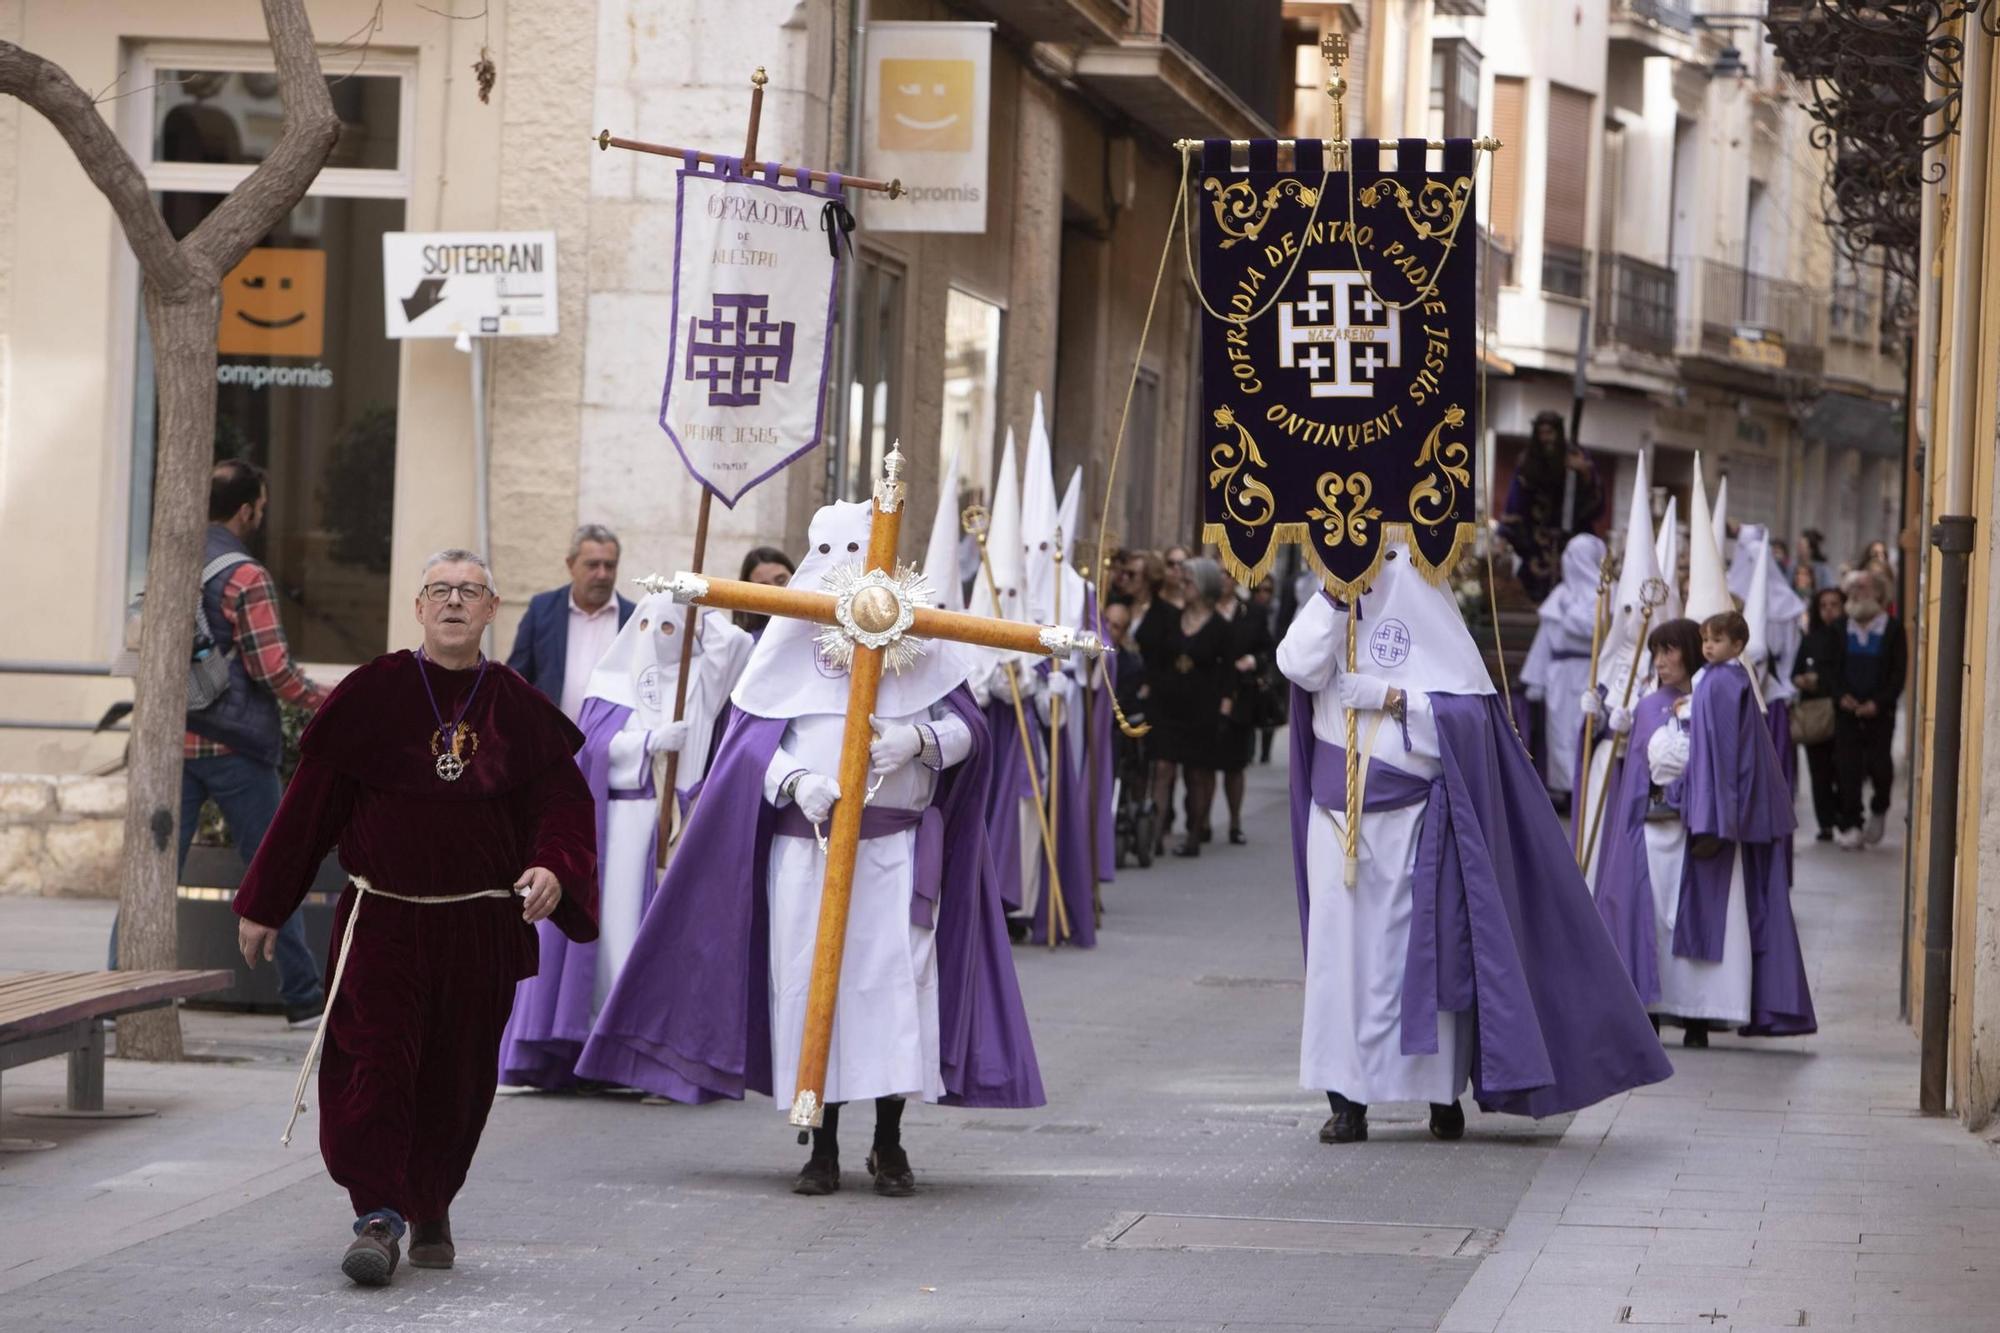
x: 1768, y: 1184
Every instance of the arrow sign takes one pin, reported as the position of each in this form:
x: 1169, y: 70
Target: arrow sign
x: 428, y: 294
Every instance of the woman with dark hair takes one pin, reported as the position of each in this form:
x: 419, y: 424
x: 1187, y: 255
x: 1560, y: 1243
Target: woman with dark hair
x: 1187, y: 662
x: 767, y: 565
x: 1816, y: 675
x: 1555, y: 495
x: 1252, y: 649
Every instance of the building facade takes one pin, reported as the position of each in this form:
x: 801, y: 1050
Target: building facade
x: 369, y: 442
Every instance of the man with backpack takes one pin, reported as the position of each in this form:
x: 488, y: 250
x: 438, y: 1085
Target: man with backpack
x: 235, y: 742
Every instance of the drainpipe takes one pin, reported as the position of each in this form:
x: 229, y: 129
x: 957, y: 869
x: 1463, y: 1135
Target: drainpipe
x: 1952, y: 537
x: 850, y: 294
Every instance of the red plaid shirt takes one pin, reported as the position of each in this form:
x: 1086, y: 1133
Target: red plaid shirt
x: 250, y: 605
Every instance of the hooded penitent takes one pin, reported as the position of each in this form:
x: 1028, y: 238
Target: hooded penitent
x: 1470, y: 936
x: 731, y: 925
x: 1622, y: 665
x: 1708, y: 587
x: 1667, y: 557
x: 630, y: 696
x: 941, y: 554
x: 1720, y: 515
x: 1563, y: 641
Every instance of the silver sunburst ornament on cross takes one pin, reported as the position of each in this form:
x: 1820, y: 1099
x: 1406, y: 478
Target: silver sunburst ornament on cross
x: 874, y: 608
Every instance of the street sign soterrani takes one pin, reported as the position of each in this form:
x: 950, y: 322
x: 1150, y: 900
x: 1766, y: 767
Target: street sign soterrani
x: 440, y: 284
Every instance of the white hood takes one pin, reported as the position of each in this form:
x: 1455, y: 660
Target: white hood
x: 1667, y: 555
x: 1708, y: 589
x: 1412, y: 634
x: 941, y: 556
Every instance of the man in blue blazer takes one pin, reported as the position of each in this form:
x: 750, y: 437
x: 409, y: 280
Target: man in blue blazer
x: 567, y: 629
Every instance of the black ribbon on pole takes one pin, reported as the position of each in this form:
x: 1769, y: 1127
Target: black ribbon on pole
x: 838, y: 224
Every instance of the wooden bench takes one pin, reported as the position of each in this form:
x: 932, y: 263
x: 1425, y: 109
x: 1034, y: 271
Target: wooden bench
x: 46, y: 1014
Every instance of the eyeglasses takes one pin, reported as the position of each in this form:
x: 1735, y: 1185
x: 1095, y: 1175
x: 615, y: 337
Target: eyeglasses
x: 472, y: 594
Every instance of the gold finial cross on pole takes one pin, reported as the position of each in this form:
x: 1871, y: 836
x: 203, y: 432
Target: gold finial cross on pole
x: 1333, y: 49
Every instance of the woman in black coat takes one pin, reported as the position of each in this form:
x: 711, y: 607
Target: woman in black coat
x: 1816, y: 674
x: 1252, y: 650
x: 1187, y: 651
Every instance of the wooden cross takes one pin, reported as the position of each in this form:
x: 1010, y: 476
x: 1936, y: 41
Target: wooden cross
x: 880, y: 611
x: 605, y: 142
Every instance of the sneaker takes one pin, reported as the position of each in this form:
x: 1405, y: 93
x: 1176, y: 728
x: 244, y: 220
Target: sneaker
x: 304, y: 1015
x: 1877, y: 825
x: 430, y: 1244
x: 372, y: 1258
x: 893, y: 1177
x: 820, y: 1175
x: 1848, y: 839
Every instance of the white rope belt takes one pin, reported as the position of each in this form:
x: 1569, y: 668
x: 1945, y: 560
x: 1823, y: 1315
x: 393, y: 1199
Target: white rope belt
x: 362, y: 889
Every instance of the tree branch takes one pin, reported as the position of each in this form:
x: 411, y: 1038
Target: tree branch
x: 51, y: 91
x: 280, y: 180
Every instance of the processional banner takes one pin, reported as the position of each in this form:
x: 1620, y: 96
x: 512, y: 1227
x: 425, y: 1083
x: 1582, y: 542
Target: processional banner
x: 1339, y: 355
x: 756, y: 267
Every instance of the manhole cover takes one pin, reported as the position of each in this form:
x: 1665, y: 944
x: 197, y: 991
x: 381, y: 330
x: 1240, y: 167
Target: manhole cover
x: 1250, y: 983
x: 1176, y: 1231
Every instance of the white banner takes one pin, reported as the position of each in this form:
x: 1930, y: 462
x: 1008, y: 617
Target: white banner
x: 754, y: 282
x: 924, y: 121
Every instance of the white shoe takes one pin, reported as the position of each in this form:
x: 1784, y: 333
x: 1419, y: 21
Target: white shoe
x: 1847, y: 839
x: 1872, y: 832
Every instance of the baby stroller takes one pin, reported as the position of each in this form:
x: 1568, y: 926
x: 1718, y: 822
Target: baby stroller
x: 1138, y: 821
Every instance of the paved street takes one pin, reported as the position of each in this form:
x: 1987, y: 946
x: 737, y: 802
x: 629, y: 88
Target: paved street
x: 1170, y: 1055
x: 1762, y: 1181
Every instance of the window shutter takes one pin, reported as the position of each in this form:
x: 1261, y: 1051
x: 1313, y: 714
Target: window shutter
x: 1564, y: 205
x: 1509, y: 101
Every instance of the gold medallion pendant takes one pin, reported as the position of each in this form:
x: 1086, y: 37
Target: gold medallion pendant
x: 452, y: 755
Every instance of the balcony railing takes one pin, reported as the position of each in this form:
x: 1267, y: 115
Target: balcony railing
x: 1675, y: 14
x: 1240, y: 43
x: 1635, y: 304
x: 1733, y: 313
x: 1563, y: 270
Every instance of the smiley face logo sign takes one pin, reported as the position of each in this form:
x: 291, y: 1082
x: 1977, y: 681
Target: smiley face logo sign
x: 274, y: 304
x: 927, y: 105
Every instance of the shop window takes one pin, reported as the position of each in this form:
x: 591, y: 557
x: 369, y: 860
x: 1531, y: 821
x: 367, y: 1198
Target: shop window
x: 972, y: 340
x: 874, y: 407
x: 306, y: 381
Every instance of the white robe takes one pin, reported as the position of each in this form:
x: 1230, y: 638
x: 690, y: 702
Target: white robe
x: 1357, y: 939
x: 1563, y: 639
x: 885, y: 1025
x: 1690, y: 988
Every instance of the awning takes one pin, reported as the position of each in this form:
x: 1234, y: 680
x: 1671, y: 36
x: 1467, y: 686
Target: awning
x: 1849, y: 421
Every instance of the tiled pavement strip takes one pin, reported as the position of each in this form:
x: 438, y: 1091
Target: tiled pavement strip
x: 1762, y: 1181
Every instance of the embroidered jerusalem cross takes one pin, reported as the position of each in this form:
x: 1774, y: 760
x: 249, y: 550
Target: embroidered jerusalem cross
x: 737, y: 348
x: 1334, y: 339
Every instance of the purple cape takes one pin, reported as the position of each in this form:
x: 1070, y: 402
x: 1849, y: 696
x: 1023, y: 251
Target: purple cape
x: 1073, y: 850
x: 1624, y: 879
x: 1006, y: 788
x: 695, y: 1024
x: 1735, y: 791
x: 1502, y: 924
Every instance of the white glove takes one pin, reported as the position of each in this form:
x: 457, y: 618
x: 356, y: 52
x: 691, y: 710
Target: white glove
x: 1593, y: 707
x: 814, y: 795
x: 1358, y: 693
x: 895, y: 744
x: 981, y: 693
x: 668, y: 738
x: 1535, y: 694
x: 1667, y: 755
x: 1619, y: 720
x: 996, y: 684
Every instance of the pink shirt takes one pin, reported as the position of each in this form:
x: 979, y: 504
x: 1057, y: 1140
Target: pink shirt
x: 590, y: 636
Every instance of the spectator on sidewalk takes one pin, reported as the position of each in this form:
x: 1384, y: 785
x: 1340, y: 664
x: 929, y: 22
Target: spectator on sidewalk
x: 1874, y: 657
x: 767, y: 565
x: 233, y: 746
x: 567, y: 630
x: 1816, y: 674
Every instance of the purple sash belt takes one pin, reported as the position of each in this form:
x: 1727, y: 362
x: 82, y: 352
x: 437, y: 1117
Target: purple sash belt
x: 878, y: 821
x: 1437, y: 966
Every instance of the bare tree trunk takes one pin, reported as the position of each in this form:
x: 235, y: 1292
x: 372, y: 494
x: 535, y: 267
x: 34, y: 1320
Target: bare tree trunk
x: 183, y: 301
x: 184, y: 336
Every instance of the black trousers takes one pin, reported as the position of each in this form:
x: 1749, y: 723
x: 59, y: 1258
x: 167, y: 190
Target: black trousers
x: 1824, y: 768
x: 1863, y: 750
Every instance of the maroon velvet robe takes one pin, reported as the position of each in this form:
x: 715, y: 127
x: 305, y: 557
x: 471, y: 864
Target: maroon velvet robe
x: 413, y: 1038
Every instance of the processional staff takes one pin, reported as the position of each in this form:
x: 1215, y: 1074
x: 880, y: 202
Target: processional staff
x: 883, y: 609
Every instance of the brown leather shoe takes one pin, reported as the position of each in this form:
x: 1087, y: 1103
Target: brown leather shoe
x: 372, y: 1258
x: 430, y: 1244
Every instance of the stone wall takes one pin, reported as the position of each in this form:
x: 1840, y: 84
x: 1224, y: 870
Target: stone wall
x: 61, y: 836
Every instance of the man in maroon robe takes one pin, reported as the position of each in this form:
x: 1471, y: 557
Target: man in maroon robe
x: 448, y: 785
